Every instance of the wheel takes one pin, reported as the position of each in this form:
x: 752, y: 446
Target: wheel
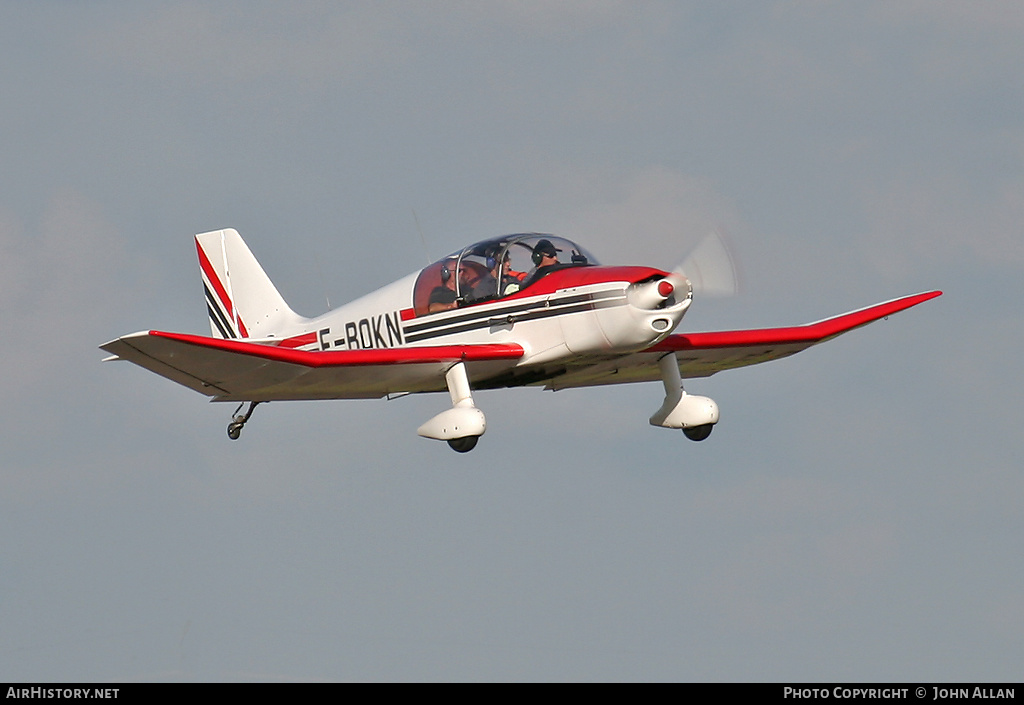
x: 464, y: 444
x: 698, y: 433
x: 234, y: 431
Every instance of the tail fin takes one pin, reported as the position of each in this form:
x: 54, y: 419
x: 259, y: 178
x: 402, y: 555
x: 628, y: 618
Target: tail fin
x: 241, y: 299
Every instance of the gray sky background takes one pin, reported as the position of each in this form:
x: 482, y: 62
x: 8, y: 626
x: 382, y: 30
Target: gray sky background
x: 856, y: 514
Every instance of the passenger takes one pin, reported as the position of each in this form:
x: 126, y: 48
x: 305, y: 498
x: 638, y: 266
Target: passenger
x: 487, y: 285
x: 443, y: 297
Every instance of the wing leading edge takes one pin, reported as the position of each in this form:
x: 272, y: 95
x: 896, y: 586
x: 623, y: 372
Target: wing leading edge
x: 704, y: 354
x: 238, y: 370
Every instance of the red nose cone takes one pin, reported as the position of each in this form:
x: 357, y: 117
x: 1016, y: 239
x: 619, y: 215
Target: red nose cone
x: 665, y: 288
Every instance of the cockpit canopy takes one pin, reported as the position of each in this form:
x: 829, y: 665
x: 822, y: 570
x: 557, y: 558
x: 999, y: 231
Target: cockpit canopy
x: 493, y: 269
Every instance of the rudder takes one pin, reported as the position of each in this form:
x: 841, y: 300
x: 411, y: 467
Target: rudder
x: 241, y: 300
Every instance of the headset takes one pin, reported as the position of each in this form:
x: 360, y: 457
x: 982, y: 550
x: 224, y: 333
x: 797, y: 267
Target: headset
x: 538, y: 256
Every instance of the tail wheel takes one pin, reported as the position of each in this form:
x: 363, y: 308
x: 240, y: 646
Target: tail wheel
x: 238, y: 422
x: 464, y: 444
x: 698, y: 433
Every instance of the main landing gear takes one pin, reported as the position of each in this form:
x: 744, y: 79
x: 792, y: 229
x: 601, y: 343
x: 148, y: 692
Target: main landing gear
x: 463, y: 424
x: 235, y: 427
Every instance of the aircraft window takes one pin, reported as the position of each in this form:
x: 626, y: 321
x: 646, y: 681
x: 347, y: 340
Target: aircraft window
x: 487, y: 274
x: 435, y: 288
x: 545, y: 254
x: 493, y: 269
x: 475, y: 280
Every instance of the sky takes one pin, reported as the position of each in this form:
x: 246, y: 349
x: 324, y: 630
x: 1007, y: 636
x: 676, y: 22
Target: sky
x: 854, y: 517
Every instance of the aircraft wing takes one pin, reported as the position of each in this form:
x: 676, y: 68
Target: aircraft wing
x: 704, y: 354
x: 239, y: 370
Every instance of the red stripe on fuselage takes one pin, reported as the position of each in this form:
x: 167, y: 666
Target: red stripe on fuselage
x: 222, y: 294
x: 584, y: 276
x: 296, y: 342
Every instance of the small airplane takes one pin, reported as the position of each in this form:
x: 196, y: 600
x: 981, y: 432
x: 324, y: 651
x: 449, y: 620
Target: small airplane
x: 527, y: 309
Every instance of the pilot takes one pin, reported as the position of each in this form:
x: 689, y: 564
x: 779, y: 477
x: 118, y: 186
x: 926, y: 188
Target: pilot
x: 511, y: 280
x: 545, y: 256
x: 443, y: 297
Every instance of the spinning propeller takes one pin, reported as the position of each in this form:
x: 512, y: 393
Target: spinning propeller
x: 710, y: 267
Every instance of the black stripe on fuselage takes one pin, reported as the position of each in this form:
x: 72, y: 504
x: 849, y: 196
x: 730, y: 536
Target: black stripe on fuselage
x: 523, y: 312
x: 508, y: 309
